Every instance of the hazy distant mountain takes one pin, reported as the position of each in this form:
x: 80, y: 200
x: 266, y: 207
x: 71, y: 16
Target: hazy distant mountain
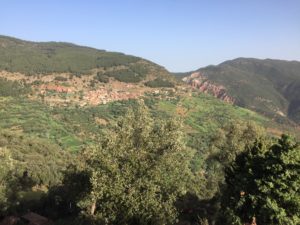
x: 270, y: 87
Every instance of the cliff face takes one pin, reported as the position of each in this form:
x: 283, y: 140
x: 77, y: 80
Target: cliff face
x: 200, y: 82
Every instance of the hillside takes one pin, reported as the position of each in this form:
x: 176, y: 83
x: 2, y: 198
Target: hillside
x: 32, y: 58
x: 51, y: 116
x: 73, y: 127
x: 270, y: 87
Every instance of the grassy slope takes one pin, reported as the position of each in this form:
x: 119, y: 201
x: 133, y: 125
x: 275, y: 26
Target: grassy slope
x: 35, y: 119
x: 73, y: 127
x: 266, y: 86
x: 204, y: 114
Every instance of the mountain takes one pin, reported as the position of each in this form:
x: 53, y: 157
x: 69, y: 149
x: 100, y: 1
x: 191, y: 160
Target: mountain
x: 270, y: 87
x: 32, y: 58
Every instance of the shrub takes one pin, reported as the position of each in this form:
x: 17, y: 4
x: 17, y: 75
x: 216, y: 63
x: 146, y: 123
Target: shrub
x: 159, y: 82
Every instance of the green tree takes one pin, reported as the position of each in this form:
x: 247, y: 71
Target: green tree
x: 264, y: 183
x: 138, y: 171
x: 6, y: 166
x: 223, y: 147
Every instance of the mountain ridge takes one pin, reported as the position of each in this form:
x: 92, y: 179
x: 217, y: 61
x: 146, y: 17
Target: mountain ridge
x: 33, y: 58
x: 270, y: 87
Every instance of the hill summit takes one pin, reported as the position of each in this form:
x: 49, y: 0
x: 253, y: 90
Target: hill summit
x: 42, y: 58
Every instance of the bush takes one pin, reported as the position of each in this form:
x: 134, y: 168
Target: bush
x: 159, y: 82
x: 102, y: 78
x: 60, y: 78
x: 12, y: 88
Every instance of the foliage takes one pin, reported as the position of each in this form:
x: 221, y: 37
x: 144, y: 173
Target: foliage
x: 138, y: 171
x: 6, y: 166
x: 60, y: 78
x: 55, y: 57
x: 265, y: 86
x: 37, y: 119
x: 133, y: 73
x: 159, y: 82
x: 124, y: 75
x: 42, y: 161
x: 223, y: 147
x: 263, y: 183
x: 61, y: 201
x: 27, y: 164
x: 12, y: 88
x: 102, y: 78
x: 32, y: 58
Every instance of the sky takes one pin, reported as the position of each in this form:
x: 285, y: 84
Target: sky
x: 181, y: 35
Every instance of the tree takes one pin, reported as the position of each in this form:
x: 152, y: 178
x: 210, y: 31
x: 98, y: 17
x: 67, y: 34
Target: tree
x: 138, y: 171
x: 6, y: 166
x: 264, y: 183
x: 223, y: 147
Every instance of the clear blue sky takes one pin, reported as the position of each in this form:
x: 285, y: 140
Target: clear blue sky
x: 181, y: 35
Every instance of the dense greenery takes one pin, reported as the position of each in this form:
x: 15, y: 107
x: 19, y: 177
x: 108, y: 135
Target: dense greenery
x: 176, y: 158
x: 159, y: 82
x: 34, y: 118
x: 40, y: 58
x: 26, y: 164
x: 32, y: 58
x: 138, y: 172
x: 102, y: 78
x: 5, y: 169
x: 12, y: 88
x: 266, y: 86
x: 263, y: 184
x: 125, y: 75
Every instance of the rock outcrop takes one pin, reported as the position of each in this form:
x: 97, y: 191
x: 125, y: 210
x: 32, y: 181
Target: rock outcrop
x: 200, y: 82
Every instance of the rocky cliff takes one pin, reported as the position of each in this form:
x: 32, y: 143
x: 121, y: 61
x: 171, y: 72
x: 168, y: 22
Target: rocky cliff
x: 198, y: 81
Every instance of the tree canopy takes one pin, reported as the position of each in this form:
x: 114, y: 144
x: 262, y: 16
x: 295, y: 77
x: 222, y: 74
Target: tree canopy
x: 138, y: 171
x: 263, y: 183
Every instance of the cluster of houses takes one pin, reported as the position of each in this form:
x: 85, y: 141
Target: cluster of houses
x: 103, y: 96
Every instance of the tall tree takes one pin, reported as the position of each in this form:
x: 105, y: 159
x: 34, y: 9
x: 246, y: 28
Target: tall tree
x: 138, y: 171
x: 224, y: 146
x: 264, y: 183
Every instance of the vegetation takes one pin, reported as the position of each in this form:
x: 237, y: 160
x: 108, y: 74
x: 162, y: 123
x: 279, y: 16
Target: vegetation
x: 102, y: 78
x: 266, y: 86
x: 125, y: 75
x: 5, y: 170
x: 60, y: 78
x: 168, y: 158
x: 159, y: 82
x: 138, y: 172
x: 12, y: 88
x: 30, y: 166
x: 263, y: 183
x: 32, y: 58
x: 55, y: 57
x: 34, y: 118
